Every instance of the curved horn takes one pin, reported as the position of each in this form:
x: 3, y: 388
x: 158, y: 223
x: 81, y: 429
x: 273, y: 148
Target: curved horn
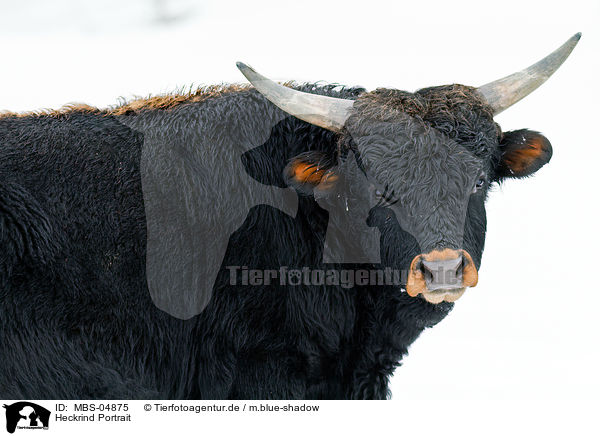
x: 327, y: 112
x: 503, y: 93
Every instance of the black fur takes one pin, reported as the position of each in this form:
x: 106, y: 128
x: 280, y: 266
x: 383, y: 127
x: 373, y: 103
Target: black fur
x: 76, y: 318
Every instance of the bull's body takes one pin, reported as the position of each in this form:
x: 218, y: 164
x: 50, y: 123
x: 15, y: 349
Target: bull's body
x: 76, y: 317
x: 119, y: 231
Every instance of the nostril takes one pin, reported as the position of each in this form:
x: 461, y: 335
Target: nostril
x: 427, y: 273
x: 460, y: 265
x: 458, y: 272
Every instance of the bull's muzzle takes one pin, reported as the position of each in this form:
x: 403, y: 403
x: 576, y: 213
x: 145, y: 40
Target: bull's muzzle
x: 441, y: 275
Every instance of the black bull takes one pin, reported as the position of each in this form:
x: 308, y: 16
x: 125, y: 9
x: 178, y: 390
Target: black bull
x: 128, y: 236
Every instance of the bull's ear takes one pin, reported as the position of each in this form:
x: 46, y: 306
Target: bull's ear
x: 312, y: 172
x: 523, y: 153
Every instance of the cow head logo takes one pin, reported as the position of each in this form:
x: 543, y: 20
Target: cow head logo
x: 26, y: 415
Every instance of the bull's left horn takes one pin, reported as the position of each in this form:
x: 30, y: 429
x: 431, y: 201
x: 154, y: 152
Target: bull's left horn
x: 328, y: 112
x: 503, y: 93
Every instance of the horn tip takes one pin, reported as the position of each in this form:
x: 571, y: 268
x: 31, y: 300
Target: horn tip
x: 243, y: 67
x: 571, y: 43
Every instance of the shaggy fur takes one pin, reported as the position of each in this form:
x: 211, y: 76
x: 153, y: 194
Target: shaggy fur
x: 76, y: 317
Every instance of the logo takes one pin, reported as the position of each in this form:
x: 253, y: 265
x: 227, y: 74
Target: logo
x: 26, y: 415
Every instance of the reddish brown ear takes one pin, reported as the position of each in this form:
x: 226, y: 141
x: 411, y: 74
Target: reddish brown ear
x: 311, y: 171
x: 523, y: 153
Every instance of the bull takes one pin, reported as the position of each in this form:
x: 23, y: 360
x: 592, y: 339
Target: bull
x: 144, y: 246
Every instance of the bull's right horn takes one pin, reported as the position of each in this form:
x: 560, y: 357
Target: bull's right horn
x: 503, y: 93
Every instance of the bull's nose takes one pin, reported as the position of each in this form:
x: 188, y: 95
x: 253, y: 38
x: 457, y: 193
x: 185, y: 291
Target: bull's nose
x: 441, y: 275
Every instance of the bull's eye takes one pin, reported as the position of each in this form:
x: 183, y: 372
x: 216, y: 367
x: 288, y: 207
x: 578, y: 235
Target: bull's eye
x: 480, y: 183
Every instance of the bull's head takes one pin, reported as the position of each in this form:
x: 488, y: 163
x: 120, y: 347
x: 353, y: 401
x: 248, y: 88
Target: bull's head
x: 425, y: 163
